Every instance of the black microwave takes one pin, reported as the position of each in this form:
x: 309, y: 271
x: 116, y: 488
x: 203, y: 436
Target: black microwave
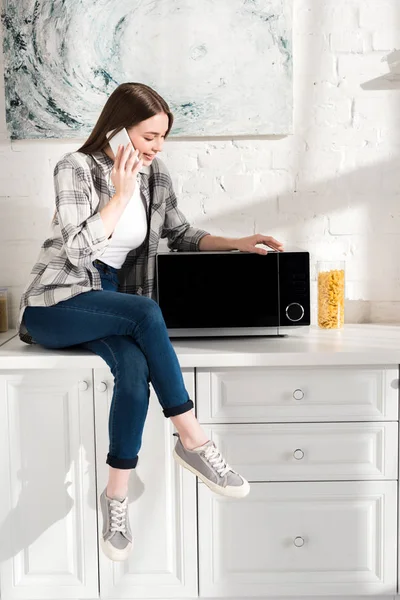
x: 233, y: 293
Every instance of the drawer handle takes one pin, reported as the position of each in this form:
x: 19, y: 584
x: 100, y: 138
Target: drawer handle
x: 83, y: 386
x: 102, y: 386
x: 298, y: 541
x: 298, y: 454
x: 298, y: 394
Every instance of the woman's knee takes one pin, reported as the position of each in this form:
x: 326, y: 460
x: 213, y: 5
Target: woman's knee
x: 152, y: 314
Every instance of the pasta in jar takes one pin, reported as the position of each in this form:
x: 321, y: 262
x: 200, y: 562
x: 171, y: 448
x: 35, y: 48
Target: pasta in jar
x: 331, y: 294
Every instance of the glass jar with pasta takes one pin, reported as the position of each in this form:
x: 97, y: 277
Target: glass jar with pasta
x: 330, y: 294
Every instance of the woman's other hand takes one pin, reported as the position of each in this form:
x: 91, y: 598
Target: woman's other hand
x: 123, y: 175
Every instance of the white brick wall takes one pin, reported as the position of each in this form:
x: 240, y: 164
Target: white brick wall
x: 332, y: 188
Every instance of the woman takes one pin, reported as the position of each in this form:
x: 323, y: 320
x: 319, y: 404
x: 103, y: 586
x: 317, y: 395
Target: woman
x: 116, y: 208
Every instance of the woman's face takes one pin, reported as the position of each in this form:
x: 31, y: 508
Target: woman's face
x: 148, y: 136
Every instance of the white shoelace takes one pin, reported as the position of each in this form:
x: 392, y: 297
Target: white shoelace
x: 118, y: 516
x: 216, y: 460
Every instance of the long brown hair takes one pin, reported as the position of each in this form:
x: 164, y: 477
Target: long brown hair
x: 128, y: 105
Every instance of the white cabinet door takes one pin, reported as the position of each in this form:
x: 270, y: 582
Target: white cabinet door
x: 299, y: 539
x: 162, y: 509
x: 48, y: 525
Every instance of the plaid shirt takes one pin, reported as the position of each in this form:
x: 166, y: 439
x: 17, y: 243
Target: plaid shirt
x: 77, y: 236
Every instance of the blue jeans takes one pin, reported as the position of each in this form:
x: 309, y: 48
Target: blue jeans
x: 129, y: 333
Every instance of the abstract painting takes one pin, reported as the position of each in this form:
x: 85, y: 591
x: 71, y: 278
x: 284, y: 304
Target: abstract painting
x: 223, y: 66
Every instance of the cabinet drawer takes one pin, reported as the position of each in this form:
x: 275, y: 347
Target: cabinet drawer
x: 309, y: 451
x: 299, y: 539
x: 307, y: 394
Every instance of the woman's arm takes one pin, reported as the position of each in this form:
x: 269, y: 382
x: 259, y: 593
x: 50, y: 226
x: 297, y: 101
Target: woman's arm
x: 123, y: 177
x: 84, y: 233
x: 181, y: 236
x: 211, y: 243
x: 111, y: 214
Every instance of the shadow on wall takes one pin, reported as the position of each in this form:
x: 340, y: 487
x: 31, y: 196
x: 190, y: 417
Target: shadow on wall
x: 390, y: 81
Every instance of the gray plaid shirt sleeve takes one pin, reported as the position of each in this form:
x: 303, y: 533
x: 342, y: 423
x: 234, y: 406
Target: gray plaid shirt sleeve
x: 83, y: 233
x: 181, y: 236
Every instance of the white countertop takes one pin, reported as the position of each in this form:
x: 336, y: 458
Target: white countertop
x: 7, y: 335
x: 354, y: 345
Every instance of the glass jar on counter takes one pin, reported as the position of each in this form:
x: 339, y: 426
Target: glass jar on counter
x: 331, y: 293
x: 3, y: 310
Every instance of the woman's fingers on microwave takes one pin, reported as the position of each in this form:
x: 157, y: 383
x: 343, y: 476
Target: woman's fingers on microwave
x: 269, y: 241
x: 257, y: 250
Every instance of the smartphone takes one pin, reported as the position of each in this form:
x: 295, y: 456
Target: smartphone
x: 120, y: 139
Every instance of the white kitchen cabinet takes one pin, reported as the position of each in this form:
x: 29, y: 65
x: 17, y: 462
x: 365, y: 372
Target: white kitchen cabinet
x: 311, y: 421
x: 162, y: 509
x: 48, y: 526
x: 320, y: 448
x: 299, y: 539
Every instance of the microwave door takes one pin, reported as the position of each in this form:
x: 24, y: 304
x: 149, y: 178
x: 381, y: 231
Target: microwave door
x: 218, y: 291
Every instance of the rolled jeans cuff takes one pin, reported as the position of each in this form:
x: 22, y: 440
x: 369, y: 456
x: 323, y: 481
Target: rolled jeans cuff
x: 173, y: 411
x: 122, y: 463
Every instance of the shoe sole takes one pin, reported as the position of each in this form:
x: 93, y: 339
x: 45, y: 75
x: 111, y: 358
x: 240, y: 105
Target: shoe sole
x: 115, y: 553
x: 232, y: 492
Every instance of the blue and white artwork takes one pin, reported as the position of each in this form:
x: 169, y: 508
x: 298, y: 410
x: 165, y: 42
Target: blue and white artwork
x: 223, y: 66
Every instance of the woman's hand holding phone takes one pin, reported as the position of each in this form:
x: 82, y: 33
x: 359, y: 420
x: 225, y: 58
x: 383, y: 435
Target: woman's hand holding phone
x: 123, y: 175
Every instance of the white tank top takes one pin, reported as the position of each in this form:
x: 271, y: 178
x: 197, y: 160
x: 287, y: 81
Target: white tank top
x: 129, y: 233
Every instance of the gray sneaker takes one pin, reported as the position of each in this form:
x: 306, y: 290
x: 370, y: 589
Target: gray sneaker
x: 116, y: 540
x: 208, y: 464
